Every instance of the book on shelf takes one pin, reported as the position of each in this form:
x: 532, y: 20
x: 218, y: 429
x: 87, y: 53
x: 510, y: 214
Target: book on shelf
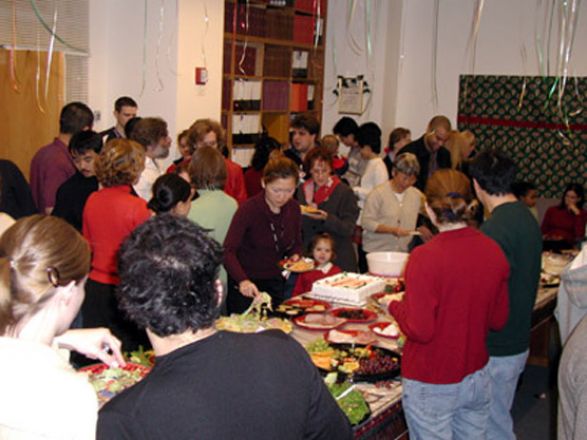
x: 277, y: 61
x: 303, y: 29
x: 299, y: 97
x: 279, y: 24
x: 226, y: 90
x: 245, y: 20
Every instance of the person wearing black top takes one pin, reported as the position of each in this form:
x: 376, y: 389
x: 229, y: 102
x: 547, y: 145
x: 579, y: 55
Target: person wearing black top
x: 16, y: 198
x: 430, y: 150
x: 207, y: 384
x: 125, y: 108
x: 73, y: 193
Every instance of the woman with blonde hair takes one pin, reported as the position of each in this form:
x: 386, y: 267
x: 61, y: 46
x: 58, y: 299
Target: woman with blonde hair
x: 461, y: 145
x: 44, y: 263
x: 110, y: 215
x: 456, y: 291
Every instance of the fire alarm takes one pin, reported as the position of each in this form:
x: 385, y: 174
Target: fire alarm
x: 201, y: 76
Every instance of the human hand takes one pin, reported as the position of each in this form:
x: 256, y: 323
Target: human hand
x: 574, y: 208
x: 247, y: 288
x: 94, y: 343
x: 401, y: 232
x: 426, y: 233
x: 319, y: 214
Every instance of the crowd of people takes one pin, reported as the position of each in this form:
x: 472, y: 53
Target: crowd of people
x: 128, y: 253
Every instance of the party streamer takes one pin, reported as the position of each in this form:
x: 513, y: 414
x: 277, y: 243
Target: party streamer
x: 12, y: 56
x: 46, y: 26
x: 144, y: 69
x: 50, y: 53
x: 434, y: 57
x: 159, y: 38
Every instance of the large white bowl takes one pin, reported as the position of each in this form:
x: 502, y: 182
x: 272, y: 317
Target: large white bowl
x: 389, y: 264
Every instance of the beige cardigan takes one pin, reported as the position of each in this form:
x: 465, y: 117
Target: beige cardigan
x: 383, y: 207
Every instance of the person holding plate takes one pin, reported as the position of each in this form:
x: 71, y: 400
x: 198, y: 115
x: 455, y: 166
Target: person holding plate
x: 265, y: 229
x: 456, y: 291
x: 44, y: 263
x: 334, y: 207
x: 391, y: 211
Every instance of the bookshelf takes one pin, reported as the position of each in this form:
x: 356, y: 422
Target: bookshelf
x: 273, y: 68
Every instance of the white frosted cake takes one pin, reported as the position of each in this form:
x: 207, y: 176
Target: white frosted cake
x: 347, y: 288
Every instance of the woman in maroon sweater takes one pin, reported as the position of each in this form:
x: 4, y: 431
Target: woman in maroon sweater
x: 456, y: 291
x: 564, y: 225
x: 264, y: 230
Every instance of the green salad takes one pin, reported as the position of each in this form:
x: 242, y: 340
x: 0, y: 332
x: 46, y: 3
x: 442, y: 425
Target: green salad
x: 353, y: 404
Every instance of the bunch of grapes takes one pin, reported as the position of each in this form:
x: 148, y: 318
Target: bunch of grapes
x: 377, y: 365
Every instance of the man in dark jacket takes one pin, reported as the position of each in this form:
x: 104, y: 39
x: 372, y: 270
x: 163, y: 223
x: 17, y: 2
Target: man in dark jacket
x: 430, y: 150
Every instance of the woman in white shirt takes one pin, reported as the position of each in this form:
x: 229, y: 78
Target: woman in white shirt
x: 369, y: 138
x: 44, y: 263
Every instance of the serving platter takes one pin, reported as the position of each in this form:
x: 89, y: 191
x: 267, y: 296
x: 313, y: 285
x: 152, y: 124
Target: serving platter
x: 355, y: 314
x: 319, y: 321
x: 379, y: 327
x: 299, y: 306
x: 108, y: 381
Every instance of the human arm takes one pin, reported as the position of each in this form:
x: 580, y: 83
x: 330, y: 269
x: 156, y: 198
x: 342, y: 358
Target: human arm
x: 344, y: 219
x: 372, y: 214
x: 549, y: 224
x: 500, y: 312
x: 94, y: 343
x: 416, y: 313
x: 233, y: 241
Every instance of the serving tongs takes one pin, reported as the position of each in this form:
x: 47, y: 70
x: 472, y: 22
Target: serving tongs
x: 260, y: 305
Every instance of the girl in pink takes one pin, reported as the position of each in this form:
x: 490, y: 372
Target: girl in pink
x: 322, y: 249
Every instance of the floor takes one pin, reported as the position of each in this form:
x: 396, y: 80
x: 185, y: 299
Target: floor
x: 534, y: 408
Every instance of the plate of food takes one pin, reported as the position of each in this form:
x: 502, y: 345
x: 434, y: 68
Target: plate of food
x: 385, y: 329
x: 299, y: 266
x: 383, y: 299
x: 299, y: 306
x: 548, y: 280
x: 307, y: 209
x: 108, y: 381
x: 350, y: 337
x: 354, y: 314
x: 351, y: 401
x: 319, y: 321
x: 251, y: 324
x: 362, y: 363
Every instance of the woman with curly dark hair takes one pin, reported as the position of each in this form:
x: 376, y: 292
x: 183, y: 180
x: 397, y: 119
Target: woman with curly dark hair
x: 109, y: 216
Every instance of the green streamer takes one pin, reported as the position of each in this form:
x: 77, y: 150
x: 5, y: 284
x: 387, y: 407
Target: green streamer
x: 48, y: 29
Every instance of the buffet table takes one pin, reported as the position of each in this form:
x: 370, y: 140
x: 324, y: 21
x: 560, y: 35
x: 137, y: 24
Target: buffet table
x: 387, y: 418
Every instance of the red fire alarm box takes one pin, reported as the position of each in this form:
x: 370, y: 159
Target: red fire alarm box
x: 201, y: 76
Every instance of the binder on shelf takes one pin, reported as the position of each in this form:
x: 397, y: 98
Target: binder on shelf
x: 246, y: 128
x: 251, y: 22
x: 246, y: 95
x: 299, y: 63
x: 226, y: 90
x: 310, y: 96
x: 299, y: 97
x: 279, y: 24
x: 275, y: 95
x: 226, y: 61
x: 249, y: 61
x: 309, y: 5
x: 303, y: 29
x: 277, y: 61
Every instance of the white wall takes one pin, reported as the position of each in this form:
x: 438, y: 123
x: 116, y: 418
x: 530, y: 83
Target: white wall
x: 116, y: 59
x: 506, y: 26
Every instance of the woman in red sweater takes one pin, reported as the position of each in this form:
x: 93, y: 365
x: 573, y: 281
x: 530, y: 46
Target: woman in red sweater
x: 110, y: 215
x: 564, y: 225
x: 456, y: 291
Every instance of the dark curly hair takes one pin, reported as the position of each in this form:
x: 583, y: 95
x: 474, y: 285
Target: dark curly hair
x: 168, y: 269
x: 494, y: 172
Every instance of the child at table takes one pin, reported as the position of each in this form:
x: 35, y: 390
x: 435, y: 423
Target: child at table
x: 322, y: 250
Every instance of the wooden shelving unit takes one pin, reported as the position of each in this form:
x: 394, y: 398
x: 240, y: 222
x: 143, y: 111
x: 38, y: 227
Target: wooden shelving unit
x: 273, y: 67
